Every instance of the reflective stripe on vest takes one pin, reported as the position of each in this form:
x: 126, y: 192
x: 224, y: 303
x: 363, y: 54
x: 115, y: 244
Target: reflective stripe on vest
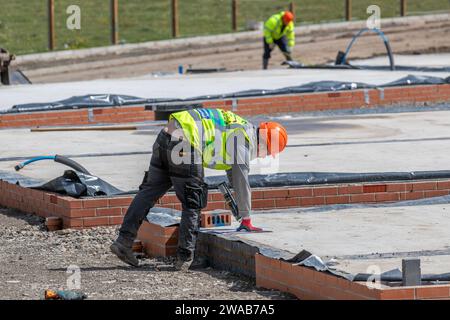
x: 205, y: 138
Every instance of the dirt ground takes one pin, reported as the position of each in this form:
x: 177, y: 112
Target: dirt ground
x: 33, y: 260
x: 314, y: 48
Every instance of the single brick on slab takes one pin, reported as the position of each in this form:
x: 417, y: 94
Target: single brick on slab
x: 218, y: 218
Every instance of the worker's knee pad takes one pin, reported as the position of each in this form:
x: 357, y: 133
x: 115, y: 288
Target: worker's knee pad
x: 196, y: 195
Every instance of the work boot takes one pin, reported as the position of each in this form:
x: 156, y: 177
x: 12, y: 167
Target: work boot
x: 182, y: 264
x: 124, y: 253
x: 199, y: 263
x: 265, y: 64
x: 246, y: 225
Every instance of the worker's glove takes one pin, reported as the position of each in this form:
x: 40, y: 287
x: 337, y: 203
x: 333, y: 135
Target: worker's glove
x: 272, y: 46
x: 289, y: 50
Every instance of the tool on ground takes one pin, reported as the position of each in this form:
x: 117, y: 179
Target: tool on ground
x: 229, y: 199
x: 64, y: 295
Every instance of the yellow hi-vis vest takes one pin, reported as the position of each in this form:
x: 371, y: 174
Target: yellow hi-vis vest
x: 273, y: 29
x: 208, y: 130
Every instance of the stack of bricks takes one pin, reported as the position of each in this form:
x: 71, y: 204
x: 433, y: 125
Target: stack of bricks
x: 158, y: 241
x: 305, y: 102
x: 307, y: 283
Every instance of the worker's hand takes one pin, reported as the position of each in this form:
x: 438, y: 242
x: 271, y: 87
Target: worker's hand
x: 272, y: 46
x: 289, y: 50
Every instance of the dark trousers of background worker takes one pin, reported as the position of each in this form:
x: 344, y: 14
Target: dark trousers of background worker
x: 282, y: 43
x: 187, y: 180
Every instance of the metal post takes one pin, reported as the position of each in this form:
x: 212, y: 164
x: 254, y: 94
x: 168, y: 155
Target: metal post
x: 348, y: 10
x: 115, y: 22
x: 175, y: 28
x: 234, y: 14
x: 51, y: 24
x: 292, y: 7
x: 403, y: 7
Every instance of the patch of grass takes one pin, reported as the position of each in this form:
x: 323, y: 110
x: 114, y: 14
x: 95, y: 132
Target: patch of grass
x: 23, y: 23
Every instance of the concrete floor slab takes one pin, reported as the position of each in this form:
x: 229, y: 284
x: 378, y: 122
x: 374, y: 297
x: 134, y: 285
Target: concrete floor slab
x: 362, y: 237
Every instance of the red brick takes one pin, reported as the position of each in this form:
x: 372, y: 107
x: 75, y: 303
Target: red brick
x: 115, y: 220
x: 257, y: 194
x: 435, y: 193
x: 263, y: 204
x: 210, y: 219
x: 51, y: 221
x: 325, y: 191
x: 374, y: 188
x: 217, y: 196
x: 95, y: 203
x: 94, y: 222
x: 396, y: 187
x: 53, y: 199
x: 433, y: 292
x: 420, y: 186
x: 393, y: 196
x: 443, y: 185
x: 109, y: 212
x: 397, y: 294
x: 70, y: 203
x: 362, y: 198
x: 337, y: 199
x: 213, y: 205
x: 287, y: 203
x: 276, y: 193
x: 350, y: 190
x: 72, y: 223
x: 119, y: 202
x: 313, y: 201
x: 412, y: 195
x: 171, y: 198
x: 81, y: 213
x: 303, y: 192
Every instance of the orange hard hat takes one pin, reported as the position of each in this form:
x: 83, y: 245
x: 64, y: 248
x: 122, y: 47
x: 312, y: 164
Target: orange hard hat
x: 288, y: 17
x: 274, y: 135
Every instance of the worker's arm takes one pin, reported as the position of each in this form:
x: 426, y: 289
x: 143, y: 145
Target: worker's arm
x: 238, y: 177
x: 290, y: 35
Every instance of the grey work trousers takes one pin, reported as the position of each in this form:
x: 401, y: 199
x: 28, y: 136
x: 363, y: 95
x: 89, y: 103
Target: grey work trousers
x: 187, y: 180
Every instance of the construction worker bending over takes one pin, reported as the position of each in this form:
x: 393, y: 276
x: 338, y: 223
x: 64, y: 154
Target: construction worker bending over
x: 192, y: 140
x: 279, y: 30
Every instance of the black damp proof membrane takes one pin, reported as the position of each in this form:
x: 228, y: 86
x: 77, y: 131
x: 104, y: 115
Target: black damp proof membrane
x: 76, y: 184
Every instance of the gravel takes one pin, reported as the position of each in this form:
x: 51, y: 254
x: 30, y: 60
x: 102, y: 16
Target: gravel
x: 33, y: 260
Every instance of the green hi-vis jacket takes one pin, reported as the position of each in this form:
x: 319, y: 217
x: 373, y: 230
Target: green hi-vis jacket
x: 273, y: 29
x: 208, y: 131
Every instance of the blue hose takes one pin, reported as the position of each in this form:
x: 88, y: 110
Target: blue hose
x: 57, y: 158
x: 25, y: 163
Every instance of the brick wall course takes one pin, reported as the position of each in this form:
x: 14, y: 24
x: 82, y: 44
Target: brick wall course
x: 307, y: 102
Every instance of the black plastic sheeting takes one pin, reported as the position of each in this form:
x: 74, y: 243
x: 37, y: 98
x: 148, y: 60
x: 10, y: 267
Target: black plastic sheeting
x: 91, y: 100
x: 76, y: 184
x: 111, y: 100
x: 317, y: 178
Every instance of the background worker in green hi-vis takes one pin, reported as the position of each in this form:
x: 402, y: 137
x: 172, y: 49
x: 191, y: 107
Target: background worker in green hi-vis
x: 279, y: 31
